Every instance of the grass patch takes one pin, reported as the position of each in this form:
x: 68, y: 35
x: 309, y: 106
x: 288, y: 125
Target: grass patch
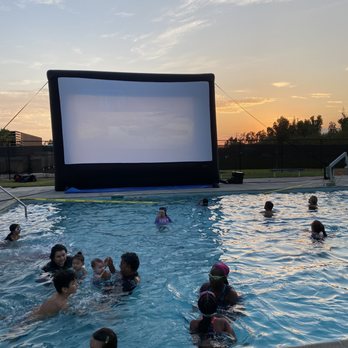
x: 39, y: 182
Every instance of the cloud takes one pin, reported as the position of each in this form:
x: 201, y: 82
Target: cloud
x: 282, y: 84
x: 320, y: 95
x: 246, y: 2
x: 346, y: 69
x: 298, y: 97
x: 123, y: 14
x: 26, y: 82
x: 224, y: 105
x: 47, y: 2
x: 334, y: 101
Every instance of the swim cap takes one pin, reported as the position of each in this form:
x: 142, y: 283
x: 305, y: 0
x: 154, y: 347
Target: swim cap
x: 223, y: 267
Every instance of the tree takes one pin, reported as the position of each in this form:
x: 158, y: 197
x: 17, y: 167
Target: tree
x: 343, y: 122
x: 5, y: 137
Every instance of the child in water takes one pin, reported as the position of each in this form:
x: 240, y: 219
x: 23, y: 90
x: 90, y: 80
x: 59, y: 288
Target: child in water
x: 318, y: 230
x: 268, y: 209
x: 313, y: 203
x: 100, y: 275
x: 78, y: 265
x: 209, y: 325
x: 66, y: 285
x: 162, y: 218
x: 15, y: 230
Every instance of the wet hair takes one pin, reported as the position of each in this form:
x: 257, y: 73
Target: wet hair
x: 313, y: 200
x: 207, y: 304
x: 62, y: 279
x: 107, y: 336
x: 268, y: 205
x: 13, y: 227
x: 55, y: 248
x: 318, y: 227
x: 132, y: 260
x: 205, y: 201
x: 220, y: 269
x: 79, y: 256
x: 95, y: 261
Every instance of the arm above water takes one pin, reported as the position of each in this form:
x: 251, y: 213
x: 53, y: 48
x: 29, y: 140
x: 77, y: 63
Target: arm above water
x: 231, y: 297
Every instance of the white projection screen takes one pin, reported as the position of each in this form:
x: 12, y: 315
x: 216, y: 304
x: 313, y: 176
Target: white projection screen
x: 128, y: 129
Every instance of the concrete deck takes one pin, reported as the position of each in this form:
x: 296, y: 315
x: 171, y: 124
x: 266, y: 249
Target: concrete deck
x: 267, y: 185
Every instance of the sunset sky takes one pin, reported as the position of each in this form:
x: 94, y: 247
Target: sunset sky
x: 274, y: 57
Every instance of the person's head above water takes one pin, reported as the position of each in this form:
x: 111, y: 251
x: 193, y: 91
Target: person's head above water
x: 313, y: 200
x: 65, y: 282
x: 207, y: 303
x: 218, y: 275
x: 58, y: 254
x: 129, y: 264
x: 78, y: 260
x: 15, y: 230
x: 317, y: 226
x: 268, y: 206
x: 103, y: 338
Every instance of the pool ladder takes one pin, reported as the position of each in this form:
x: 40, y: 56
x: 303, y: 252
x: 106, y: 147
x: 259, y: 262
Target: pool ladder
x: 329, y: 169
x: 18, y: 200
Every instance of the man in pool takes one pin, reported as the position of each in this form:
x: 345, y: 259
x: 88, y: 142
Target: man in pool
x: 218, y: 284
x: 128, y: 277
x: 65, y: 283
x: 59, y: 260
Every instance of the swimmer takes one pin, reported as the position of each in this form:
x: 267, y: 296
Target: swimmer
x: 103, y: 338
x: 162, y: 218
x: 218, y: 284
x: 59, y: 260
x: 203, y: 202
x: 313, y: 203
x: 14, y: 234
x: 66, y: 285
x: 318, y: 230
x: 209, y: 325
x: 129, y: 277
x: 100, y: 275
x: 268, y: 212
x: 78, y: 265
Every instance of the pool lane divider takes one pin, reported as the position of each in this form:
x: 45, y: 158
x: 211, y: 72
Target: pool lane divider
x: 81, y: 200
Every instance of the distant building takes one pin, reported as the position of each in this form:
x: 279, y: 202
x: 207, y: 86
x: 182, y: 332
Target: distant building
x: 23, y: 139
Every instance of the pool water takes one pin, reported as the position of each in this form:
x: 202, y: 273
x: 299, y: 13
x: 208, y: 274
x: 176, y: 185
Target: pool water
x: 294, y: 291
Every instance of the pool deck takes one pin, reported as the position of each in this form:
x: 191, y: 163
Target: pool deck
x: 265, y: 185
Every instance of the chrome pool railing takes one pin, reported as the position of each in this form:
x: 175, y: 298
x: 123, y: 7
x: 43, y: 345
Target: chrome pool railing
x: 18, y: 200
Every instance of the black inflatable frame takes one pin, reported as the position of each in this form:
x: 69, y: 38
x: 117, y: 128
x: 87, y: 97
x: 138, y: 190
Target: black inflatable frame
x: 112, y: 175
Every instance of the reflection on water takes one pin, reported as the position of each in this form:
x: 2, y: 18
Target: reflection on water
x: 294, y: 290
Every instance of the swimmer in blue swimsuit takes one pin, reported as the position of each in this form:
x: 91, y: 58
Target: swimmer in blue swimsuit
x: 209, y: 326
x: 225, y: 295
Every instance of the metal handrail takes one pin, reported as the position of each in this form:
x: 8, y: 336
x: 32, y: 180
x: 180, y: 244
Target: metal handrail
x: 18, y: 200
x: 328, y: 169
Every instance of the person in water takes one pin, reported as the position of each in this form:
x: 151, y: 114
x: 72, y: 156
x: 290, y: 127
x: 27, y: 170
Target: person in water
x: 59, y: 259
x: 318, y: 230
x: 226, y: 296
x: 128, y: 274
x: 162, y: 218
x: 203, y: 202
x: 101, y: 276
x: 268, y: 212
x: 209, y: 325
x: 78, y: 265
x: 103, y: 338
x: 66, y: 284
x: 313, y: 203
x: 14, y: 234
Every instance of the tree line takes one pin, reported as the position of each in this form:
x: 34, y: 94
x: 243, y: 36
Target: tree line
x: 283, y: 130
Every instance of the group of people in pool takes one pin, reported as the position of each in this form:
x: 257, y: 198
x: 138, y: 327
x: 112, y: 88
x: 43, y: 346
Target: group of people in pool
x: 215, y: 295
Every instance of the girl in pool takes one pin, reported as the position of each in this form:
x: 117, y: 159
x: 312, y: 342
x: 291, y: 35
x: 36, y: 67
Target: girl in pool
x: 78, y: 265
x: 218, y: 284
x: 209, y: 325
x: 313, y: 203
x: 268, y: 209
x: 15, y: 230
x: 162, y: 218
x: 318, y: 230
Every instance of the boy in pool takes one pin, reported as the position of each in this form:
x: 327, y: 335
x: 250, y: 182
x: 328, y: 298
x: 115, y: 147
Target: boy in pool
x: 100, y: 274
x: 15, y: 230
x: 103, y: 338
x: 66, y: 285
x: 128, y: 275
x: 318, y: 230
x: 78, y: 265
x: 268, y: 209
x: 313, y: 203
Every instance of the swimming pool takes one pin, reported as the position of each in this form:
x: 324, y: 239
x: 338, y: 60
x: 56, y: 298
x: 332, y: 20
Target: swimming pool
x: 294, y: 290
